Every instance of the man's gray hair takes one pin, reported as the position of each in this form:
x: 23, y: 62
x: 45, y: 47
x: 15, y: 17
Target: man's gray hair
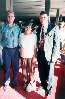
x: 10, y: 11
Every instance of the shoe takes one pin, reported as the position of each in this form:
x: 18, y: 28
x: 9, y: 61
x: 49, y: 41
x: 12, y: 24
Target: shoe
x: 25, y: 85
x: 5, y: 87
x: 13, y: 85
x: 48, y: 92
x: 31, y: 86
x: 40, y: 89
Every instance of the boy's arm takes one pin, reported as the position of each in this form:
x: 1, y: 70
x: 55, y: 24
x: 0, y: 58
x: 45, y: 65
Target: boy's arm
x: 35, y: 46
x: 35, y: 51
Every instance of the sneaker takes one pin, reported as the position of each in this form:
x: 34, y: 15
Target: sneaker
x: 25, y: 85
x: 31, y: 86
x: 40, y: 89
x: 5, y: 87
x: 48, y: 92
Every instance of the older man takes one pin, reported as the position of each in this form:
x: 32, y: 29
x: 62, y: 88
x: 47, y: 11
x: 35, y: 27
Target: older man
x: 9, y: 40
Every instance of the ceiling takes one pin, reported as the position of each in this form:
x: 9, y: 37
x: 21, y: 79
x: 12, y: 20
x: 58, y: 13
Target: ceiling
x: 28, y: 7
x: 33, y: 7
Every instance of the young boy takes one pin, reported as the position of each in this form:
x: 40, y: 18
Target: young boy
x: 27, y: 42
x: 9, y: 40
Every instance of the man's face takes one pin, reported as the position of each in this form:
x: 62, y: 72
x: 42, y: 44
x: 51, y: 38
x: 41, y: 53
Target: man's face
x: 10, y: 18
x: 43, y: 19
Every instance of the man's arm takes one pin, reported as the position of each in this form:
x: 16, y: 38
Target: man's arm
x: 56, y: 45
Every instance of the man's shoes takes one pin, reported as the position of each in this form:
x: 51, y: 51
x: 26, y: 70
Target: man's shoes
x: 48, y: 92
x: 13, y: 85
x: 5, y: 87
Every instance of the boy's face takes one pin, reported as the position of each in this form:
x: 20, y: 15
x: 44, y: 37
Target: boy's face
x: 43, y: 19
x: 10, y: 18
x: 28, y: 29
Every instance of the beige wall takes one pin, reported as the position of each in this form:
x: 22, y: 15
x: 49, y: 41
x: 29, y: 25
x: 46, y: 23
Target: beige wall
x: 4, y: 6
x: 31, y: 7
x: 28, y: 7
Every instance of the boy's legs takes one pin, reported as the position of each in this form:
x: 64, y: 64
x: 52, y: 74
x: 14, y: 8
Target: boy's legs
x: 30, y: 66
x: 25, y: 72
x: 32, y: 84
